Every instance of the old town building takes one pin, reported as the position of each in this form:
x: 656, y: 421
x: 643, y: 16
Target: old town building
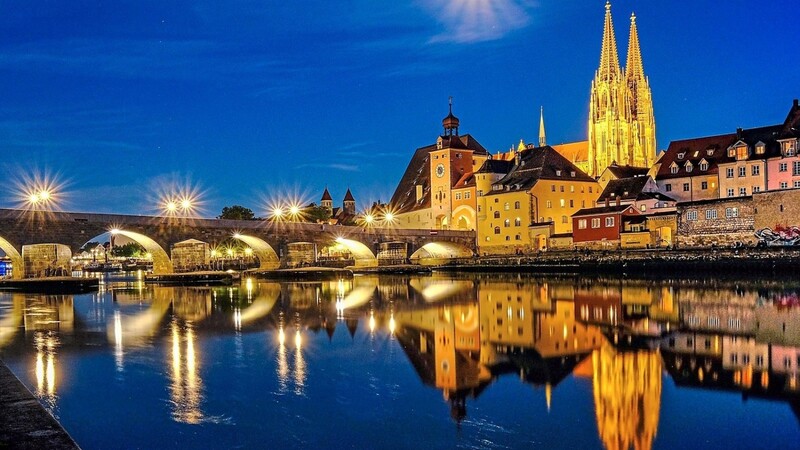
x: 424, y: 198
x: 540, y: 191
x: 601, y: 227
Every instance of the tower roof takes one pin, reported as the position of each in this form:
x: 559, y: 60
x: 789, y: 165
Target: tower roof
x: 450, y: 123
x: 633, y: 66
x: 609, y: 59
x: 348, y: 196
x: 326, y: 196
x: 542, y: 139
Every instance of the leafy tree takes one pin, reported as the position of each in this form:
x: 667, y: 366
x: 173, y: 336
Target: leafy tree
x: 129, y: 250
x: 317, y: 214
x: 237, y: 212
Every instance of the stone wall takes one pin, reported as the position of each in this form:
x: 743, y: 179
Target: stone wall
x: 777, y: 209
x: 725, y: 229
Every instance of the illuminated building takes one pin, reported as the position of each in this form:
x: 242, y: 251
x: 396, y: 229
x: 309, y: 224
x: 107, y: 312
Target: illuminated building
x: 621, y: 121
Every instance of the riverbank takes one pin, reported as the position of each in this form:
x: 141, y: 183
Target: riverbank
x: 693, y: 262
x: 52, y: 285
x: 24, y: 422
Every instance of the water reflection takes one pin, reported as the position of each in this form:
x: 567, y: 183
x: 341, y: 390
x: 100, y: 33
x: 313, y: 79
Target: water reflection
x: 459, y: 335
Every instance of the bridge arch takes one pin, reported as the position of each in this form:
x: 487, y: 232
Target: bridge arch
x: 162, y: 264
x: 362, y: 255
x: 16, y: 258
x: 267, y: 257
x: 434, y: 253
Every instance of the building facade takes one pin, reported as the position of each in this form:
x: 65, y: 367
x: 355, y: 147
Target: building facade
x: 621, y: 119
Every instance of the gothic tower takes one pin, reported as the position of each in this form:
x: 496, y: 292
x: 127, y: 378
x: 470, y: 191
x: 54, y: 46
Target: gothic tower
x: 327, y: 201
x: 621, y: 122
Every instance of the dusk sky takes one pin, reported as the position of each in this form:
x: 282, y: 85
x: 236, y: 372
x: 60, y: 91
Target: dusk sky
x: 248, y: 100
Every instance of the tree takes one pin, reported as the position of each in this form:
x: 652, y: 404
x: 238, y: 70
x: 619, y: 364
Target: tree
x: 317, y: 214
x: 237, y: 212
x: 129, y: 250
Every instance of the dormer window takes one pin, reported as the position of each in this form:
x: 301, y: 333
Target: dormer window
x: 710, y: 152
x: 703, y: 165
x: 742, y: 152
x: 558, y: 173
x: 731, y: 152
x: 760, y: 148
x: 689, y: 167
x: 439, y: 143
x: 681, y: 155
x: 696, y: 153
x: 572, y: 174
x: 789, y: 147
x: 673, y: 169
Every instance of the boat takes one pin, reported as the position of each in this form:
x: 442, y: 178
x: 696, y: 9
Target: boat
x: 102, y: 267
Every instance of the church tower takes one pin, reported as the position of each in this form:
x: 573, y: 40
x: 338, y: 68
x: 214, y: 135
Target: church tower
x: 327, y: 201
x: 621, y: 122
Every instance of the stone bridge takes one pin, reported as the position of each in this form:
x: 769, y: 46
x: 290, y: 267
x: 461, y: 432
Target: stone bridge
x: 22, y: 229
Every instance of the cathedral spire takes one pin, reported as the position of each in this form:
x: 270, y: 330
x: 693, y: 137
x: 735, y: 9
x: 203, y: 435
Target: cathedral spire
x: 609, y: 59
x: 633, y: 65
x: 542, y: 140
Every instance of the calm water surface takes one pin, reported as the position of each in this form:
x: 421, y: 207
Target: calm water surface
x: 423, y: 362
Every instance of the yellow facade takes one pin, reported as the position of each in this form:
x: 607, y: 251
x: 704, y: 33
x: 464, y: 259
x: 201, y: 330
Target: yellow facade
x: 621, y: 120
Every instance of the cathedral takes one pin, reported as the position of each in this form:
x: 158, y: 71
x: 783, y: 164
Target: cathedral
x: 622, y: 128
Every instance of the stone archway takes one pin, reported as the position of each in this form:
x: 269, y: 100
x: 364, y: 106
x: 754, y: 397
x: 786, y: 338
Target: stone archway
x: 362, y: 255
x: 435, y: 253
x: 162, y: 264
x: 16, y: 259
x: 267, y: 257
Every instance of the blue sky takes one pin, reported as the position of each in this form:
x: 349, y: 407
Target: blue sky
x: 249, y: 100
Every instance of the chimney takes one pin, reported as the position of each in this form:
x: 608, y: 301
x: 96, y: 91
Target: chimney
x: 739, y: 133
x: 617, y: 201
x: 795, y: 103
x: 606, y: 202
x: 419, y: 192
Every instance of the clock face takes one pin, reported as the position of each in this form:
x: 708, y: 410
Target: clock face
x: 440, y: 170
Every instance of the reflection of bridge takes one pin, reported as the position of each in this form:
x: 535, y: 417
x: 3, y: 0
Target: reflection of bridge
x: 269, y: 240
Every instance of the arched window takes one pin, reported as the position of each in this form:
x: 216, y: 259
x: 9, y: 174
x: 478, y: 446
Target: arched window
x: 517, y: 222
x: 507, y: 223
x: 516, y: 205
x: 506, y: 206
x: 496, y: 230
x: 518, y: 237
x: 497, y: 214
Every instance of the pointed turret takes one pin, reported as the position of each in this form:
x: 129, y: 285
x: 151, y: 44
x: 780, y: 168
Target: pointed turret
x: 521, y: 146
x: 542, y: 139
x: 609, y: 59
x: 326, y: 201
x: 450, y: 123
x: 633, y: 66
x: 349, y: 203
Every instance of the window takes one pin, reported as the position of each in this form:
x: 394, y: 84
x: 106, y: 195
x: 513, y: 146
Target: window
x: 458, y: 195
x: 497, y: 214
x: 561, y: 188
x: 673, y: 168
x: 562, y: 202
x: 742, y: 191
x: 760, y: 148
x: 742, y: 171
x: 703, y: 165
x: 756, y: 189
x: 517, y: 222
x: 729, y: 172
x: 796, y: 184
x: 796, y: 168
x: 681, y: 155
x: 596, y: 222
x: 756, y: 170
x: 518, y: 237
x: 783, y: 167
x: 552, y: 188
x: 710, y: 152
x: 480, y: 192
x: 466, y: 195
x: 549, y: 204
x: 558, y: 174
x: 571, y: 203
x: 731, y: 212
x: 730, y: 192
x: 506, y: 206
x: 704, y: 185
x: 609, y: 222
x: 731, y: 152
x: 590, y: 189
x: 685, y: 187
x: 581, y: 224
x: 572, y: 186
x: 688, y: 167
x: 564, y: 219
x: 691, y: 215
x: 668, y: 187
x: 507, y: 223
x: 742, y: 152
x: 516, y: 205
x: 496, y: 230
x: 711, y: 214
x: 784, y: 185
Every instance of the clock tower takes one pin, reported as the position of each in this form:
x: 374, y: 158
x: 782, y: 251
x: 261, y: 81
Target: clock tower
x: 449, y: 162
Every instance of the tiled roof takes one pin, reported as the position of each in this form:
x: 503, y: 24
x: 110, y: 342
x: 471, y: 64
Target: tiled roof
x: 611, y: 209
x: 466, y: 180
x: 348, y: 196
x: 496, y: 166
x: 627, y: 171
x: 539, y: 163
x: 326, y: 195
x: 624, y: 189
x: 418, y: 173
x: 574, y: 151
